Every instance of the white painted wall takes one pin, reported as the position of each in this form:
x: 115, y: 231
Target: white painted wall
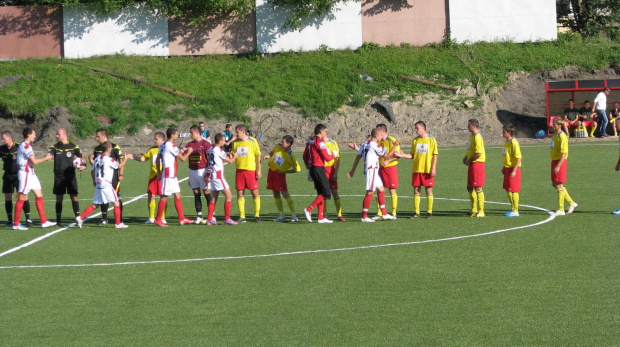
x: 132, y: 31
x: 341, y: 30
x: 502, y: 20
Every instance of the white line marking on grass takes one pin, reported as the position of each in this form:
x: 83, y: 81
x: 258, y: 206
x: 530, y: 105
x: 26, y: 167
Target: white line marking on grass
x: 43, y: 237
x: 281, y: 254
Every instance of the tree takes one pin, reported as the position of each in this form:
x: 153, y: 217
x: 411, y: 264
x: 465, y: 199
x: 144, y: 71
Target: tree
x: 590, y: 17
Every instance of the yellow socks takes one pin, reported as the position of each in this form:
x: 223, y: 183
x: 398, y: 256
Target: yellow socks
x: 416, y: 203
x: 257, y: 206
x: 480, y: 201
x: 561, y: 193
x: 291, y: 204
x: 241, y: 206
x: 429, y: 203
x: 473, y: 198
x: 394, y: 203
x: 279, y: 206
x: 515, y: 202
x: 567, y: 197
x: 152, y: 209
x: 338, y: 204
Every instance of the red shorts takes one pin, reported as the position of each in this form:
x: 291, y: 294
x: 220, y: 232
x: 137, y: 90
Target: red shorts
x: 276, y: 181
x: 246, y: 179
x: 333, y: 183
x: 154, y: 186
x: 389, y: 176
x: 512, y: 184
x: 560, y: 177
x: 475, y: 175
x: 588, y: 123
x: 419, y: 179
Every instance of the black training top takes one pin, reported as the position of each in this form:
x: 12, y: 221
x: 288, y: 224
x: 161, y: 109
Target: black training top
x: 116, y: 154
x: 9, y: 157
x: 63, y: 154
x: 571, y: 113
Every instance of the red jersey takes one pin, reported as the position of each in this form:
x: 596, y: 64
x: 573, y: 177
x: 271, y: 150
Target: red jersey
x: 316, y: 153
x: 198, y: 158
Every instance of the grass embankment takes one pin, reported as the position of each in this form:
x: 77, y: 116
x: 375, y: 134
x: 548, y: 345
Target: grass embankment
x: 316, y: 82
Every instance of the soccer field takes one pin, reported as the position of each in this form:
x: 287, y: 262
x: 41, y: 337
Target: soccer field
x: 449, y: 280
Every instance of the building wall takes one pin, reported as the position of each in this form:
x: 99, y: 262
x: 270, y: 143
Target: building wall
x: 30, y: 32
x: 340, y: 30
x: 135, y: 31
x: 213, y: 36
x: 502, y: 20
x: 417, y: 22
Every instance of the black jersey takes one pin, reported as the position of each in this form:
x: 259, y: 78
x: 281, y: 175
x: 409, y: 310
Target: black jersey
x: 63, y: 154
x: 9, y: 158
x: 116, y: 154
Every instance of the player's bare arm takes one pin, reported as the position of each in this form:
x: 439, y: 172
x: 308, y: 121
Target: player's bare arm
x: 259, y: 172
x: 355, y: 163
x: 434, y: 166
x: 184, y: 154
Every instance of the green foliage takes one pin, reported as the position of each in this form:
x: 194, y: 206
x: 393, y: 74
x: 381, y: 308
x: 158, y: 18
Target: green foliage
x: 590, y: 17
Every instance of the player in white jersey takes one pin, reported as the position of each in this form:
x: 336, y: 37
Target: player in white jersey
x: 216, y: 182
x: 102, y: 173
x: 28, y: 180
x: 370, y: 151
x: 167, y: 156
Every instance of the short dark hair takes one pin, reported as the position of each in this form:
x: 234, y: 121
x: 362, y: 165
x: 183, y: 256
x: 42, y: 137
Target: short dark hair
x: 102, y: 131
x: 7, y: 133
x: 160, y: 135
x: 170, y: 132
x: 373, y: 132
x: 474, y: 122
x: 241, y: 127
x: 318, y: 128
x: 288, y: 138
x: 27, y: 131
x: 569, y: 100
x: 420, y: 123
x: 510, y: 128
x: 201, y: 123
x: 228, y: 125
x: 382, y: 127
x: 607, y: 89
x: 106, y: 146
x: 586, y: 102
x: 217, y: 138
x: 194, y: 128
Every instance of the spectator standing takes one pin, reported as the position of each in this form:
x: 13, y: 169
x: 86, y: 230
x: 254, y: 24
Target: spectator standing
x: 600, y: 107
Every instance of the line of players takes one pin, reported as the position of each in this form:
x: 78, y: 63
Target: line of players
x: 321, y: 157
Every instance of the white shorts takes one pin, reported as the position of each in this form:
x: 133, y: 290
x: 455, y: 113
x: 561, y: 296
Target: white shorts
x: 373, y: 180
x: 218, y: 182
x: 104, y: 195
x: 196, y: 179
x: 27, y: 182
x: 169, y: 186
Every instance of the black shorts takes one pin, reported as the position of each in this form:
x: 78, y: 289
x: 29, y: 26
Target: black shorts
x: 65, y: 186
x: 10, y: 184
x: 321, y: 184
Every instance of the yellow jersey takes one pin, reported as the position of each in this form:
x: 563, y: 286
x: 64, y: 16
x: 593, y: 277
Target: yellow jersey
x: 388, y: 143
x: 423, y: 149
x: 476, y: 145
x: 151, y: 156
x: 247, y: 152
x: 282, y: 160
x: 332, y: 149
x: 512, y: 152
x: 559, y: 145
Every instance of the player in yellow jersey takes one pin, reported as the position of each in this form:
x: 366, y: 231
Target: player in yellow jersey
x: 154, y: 186
x: 559, y: 159
x: 248, y: 173
x: 281, y: 162
x: 474, y: 160
x: 512, y: 169
x: 331, y: 171
x: 388, y: 170
x: 424, y: 154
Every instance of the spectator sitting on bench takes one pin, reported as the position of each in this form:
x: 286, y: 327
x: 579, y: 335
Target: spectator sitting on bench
x: 571, y: 116
x: 614, y: 114
x: 586, y: 119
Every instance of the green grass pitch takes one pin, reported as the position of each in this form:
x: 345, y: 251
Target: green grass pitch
x: 554, y: 283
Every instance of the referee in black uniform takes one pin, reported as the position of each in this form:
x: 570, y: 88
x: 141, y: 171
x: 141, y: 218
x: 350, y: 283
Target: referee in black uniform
x: 102, y: 136
x: 10, y: 184
x: 65, y: 182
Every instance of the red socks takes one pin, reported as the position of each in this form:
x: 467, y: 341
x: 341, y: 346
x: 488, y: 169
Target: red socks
x: 227, y: 207
x: 41, y: 209
x: 161, y: 207
x: 87, y: 211
x: 366, y: 204
x: 19, y: 206
x: 117, y: 215
x: 179, y: 206
x: 381, y: 199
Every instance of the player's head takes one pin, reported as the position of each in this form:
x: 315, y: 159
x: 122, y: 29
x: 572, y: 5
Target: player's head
x: 319, y: 128
x: 420, y: 128
x: 228, y: 127
x: 101, y: 135
x: 61, y: 135
x: 194, y: 132
x: 558, y: 123
x: 106, y: 147
x: 473, y: 125
x: 159, y: 138
x: 201, y: 126
x: 219, y: 139
x: 374, y: 134
x: 287, y: 141
x: 586, y: 103
x: 171, y: 132
x: 508, y: 131
x: 7, y: 138
x: 29, y: 133
x: 241, y: 131
x: 571, y: 103
x: 616, y: 104
x: 607, y: 90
